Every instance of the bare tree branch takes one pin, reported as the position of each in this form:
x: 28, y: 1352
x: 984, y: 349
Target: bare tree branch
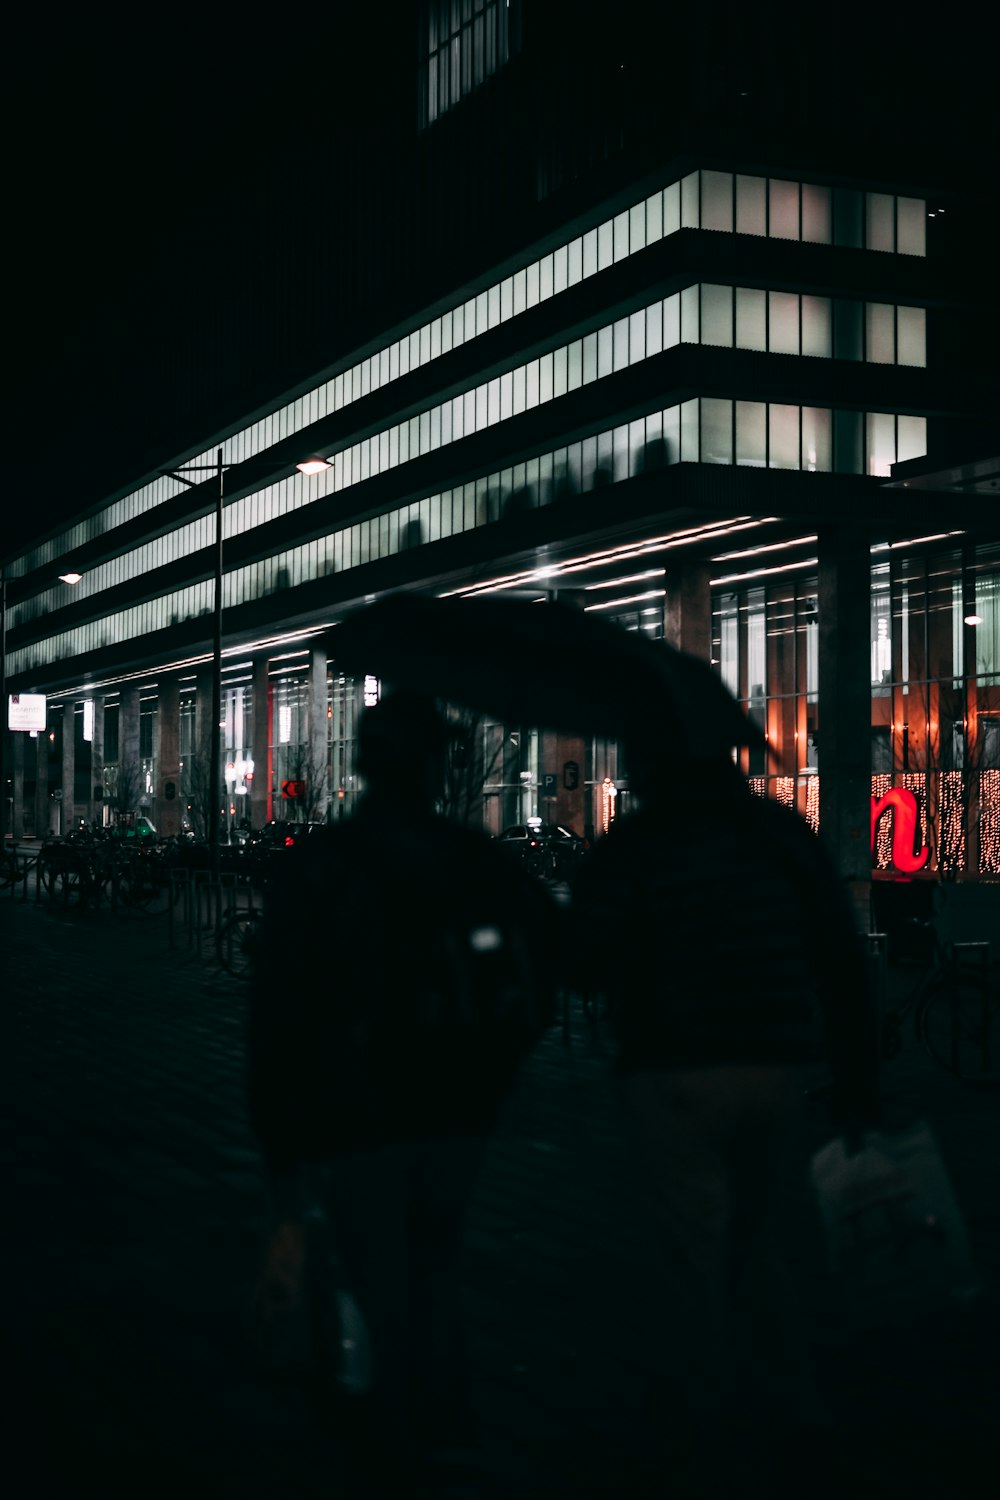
x: 471, y: 765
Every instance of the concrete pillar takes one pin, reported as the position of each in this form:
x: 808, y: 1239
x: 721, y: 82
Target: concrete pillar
x: 67, y: 776
x: 845, y: 706
x: 202, y: 757
x: 97, y: 764
x: 203, y: 712
x: 15, y: 770
x: 318, y: 763
x: 129, y: 764
x: 687, y: 608
x: 167, y: 808
x: 43, y: 801
x: 260, y: 787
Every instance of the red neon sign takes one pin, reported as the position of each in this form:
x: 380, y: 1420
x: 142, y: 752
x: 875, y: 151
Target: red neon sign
x: 907, y: 858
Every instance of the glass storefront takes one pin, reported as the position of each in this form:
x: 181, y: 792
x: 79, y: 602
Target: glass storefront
x: 935, y: 700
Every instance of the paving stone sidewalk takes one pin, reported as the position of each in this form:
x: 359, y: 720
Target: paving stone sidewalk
x: 136, y: 1215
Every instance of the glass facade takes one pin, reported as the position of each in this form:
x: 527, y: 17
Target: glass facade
x: 935, y: 609
x: 842, y: 216
x: 709, y: 430
x: 935, y: 686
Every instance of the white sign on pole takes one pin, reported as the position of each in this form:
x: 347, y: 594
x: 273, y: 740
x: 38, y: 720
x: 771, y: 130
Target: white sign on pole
x: 26, y: 711
x: 88, y: 718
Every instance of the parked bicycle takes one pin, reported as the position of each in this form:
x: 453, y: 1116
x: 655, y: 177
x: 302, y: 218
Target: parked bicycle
x: 235, y: 940
x: 90, y: 869
x: 953, y: 1005
x: 12, y: 868
x: 141, y: 878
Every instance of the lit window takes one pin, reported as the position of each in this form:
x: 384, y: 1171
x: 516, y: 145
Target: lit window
x: 462, y: 42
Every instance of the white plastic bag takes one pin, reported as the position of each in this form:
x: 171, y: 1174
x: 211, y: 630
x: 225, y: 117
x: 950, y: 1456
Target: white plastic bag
x: 894, y: 1231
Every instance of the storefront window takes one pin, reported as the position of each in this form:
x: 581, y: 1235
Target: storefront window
x: 238, y: 769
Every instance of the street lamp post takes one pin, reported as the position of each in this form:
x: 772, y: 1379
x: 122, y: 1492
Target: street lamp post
x: 215, y: 752
x: 312, y: 465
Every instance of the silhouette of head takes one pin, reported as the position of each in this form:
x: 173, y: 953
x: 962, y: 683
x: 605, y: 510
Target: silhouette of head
x: 401, y: 748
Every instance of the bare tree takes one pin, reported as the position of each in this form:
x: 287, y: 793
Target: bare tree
x: 200, y: 792
x: 313, y: 772
x: 124, y: 788
x: 471, y: 765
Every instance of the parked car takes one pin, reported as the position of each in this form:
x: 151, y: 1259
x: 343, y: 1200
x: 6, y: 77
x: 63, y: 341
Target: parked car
x: 548, y: 849
x: 281, y: 833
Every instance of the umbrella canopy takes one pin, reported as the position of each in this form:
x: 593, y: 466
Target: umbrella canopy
x: 546, y: 664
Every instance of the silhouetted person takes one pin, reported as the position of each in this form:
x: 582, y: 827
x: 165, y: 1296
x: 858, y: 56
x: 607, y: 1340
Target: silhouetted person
x: 735, y: 964
x: 405, y: 970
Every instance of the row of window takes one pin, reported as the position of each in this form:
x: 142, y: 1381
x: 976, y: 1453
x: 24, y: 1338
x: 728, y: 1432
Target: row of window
x: 783, y: 322
x: 929, y: 606
x: 756, y: 205
x: 733, y: 202
x: 465, y: 42
x: 706, y: 430
x: 920, y: 615
x: 822, y: 327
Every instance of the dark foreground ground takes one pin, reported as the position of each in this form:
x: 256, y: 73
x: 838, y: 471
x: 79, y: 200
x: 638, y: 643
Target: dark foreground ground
x: 135, y: 1215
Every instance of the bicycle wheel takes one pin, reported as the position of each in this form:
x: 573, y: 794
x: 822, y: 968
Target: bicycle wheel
x: 955, y: 1025
x: 142, y: 888
x: 235, y: 942
x: 69, y: 883
x: 46, y: 872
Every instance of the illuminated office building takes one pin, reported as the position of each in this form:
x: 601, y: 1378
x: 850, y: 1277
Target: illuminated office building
x: 647, y: 347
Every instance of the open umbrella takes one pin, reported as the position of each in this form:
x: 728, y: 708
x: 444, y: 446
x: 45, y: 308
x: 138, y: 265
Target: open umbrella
x: 546, y: 664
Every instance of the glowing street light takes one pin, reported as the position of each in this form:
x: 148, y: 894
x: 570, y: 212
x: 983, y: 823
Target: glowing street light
x: 312, y: 465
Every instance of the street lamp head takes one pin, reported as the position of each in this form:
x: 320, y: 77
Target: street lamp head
x: 314, y: 464
x: 70, y: 577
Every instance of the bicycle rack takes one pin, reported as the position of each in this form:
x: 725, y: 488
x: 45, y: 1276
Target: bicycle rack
x: 203, y: 903
x: 23, y: 861
x: 180, y: 891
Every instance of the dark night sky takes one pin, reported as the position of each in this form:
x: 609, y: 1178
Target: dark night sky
x: 141, y: 165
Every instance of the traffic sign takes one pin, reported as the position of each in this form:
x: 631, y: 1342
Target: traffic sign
x: 549, y: 784
x: 293, y: 789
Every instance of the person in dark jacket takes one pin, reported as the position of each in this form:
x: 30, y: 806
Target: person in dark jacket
x: 736, y: 965
x: 405, y: 969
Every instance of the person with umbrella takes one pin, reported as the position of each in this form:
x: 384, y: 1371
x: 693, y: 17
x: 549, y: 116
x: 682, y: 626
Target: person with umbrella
x: 736, y: 966
x: 382, y: 1053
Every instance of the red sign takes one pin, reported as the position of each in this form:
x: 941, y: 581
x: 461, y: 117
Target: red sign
x: 293, y: 789
x: 905, y: 829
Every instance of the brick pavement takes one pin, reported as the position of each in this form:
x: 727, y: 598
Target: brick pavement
x: 136, y: 1215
